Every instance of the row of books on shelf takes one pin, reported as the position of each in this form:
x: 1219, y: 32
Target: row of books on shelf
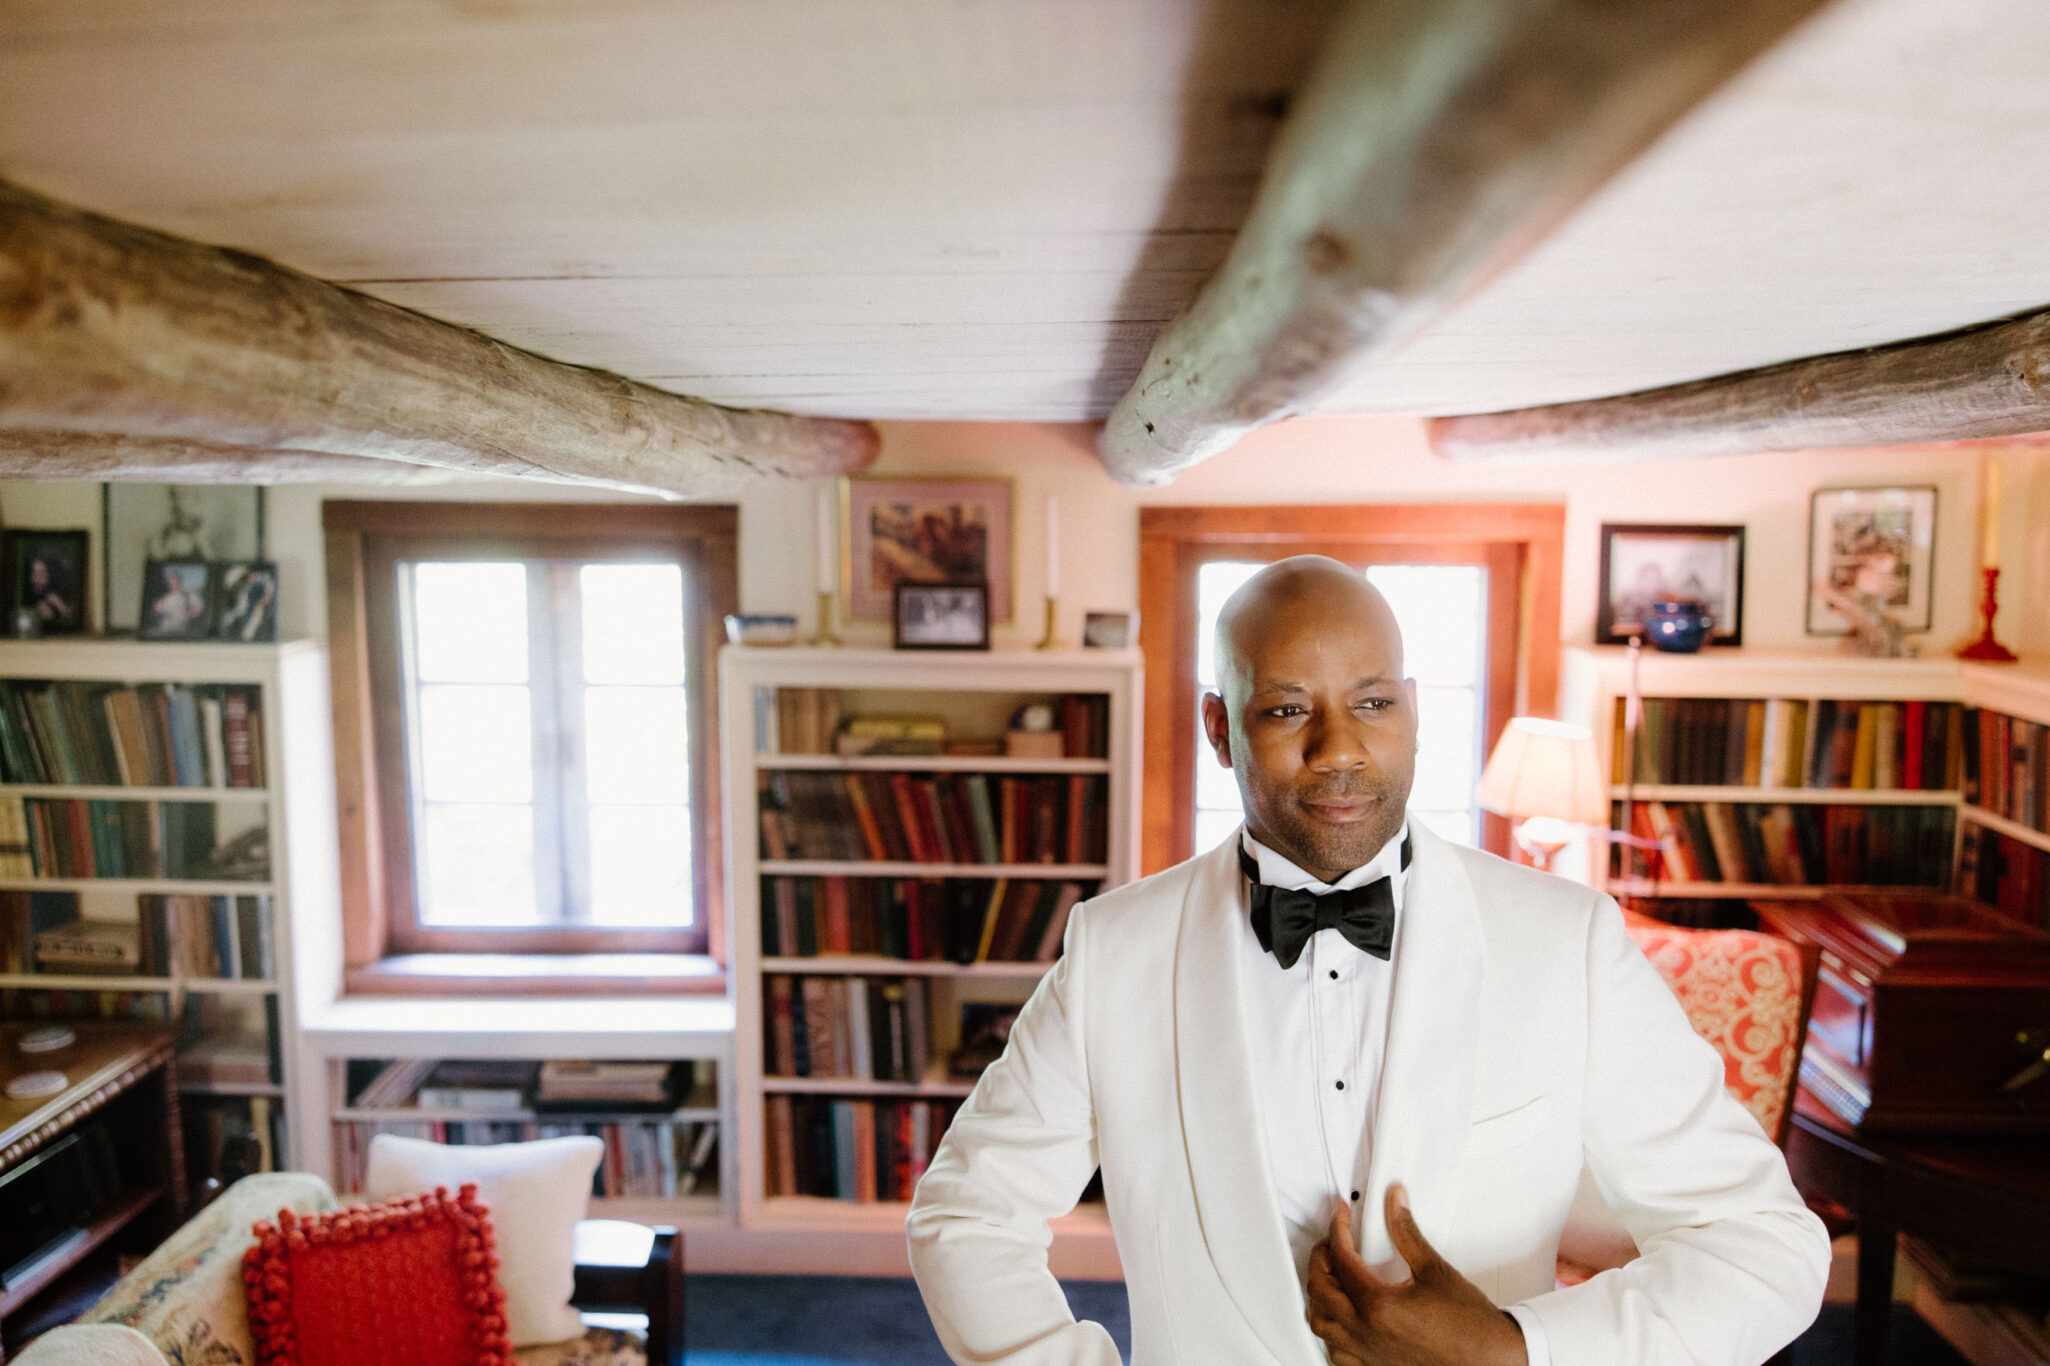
x: 1786, y: 742
x: 811, y: 721
x: 861, y: 1028
x: 644, y: 1159
x: 960, y: 920
x: 866, y: 1150
x: 221, y: 1043
x: 2006, y: 874
x: 183, y: 936
x: 944, y: 818
x: 1798, y: 844
x: 72, y: 838
x: 502, y: 1085
x: 152, y: 735
x: 2007, y: 766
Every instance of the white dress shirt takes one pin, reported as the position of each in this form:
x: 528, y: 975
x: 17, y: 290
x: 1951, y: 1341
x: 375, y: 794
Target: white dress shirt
x: 1317, y: 1034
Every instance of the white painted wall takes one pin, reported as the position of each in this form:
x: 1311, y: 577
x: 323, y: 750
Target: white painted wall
x: 1324, y: 460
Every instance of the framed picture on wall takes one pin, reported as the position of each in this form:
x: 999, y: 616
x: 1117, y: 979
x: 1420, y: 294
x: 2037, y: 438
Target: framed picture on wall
x: 46, y: 578
x: 923, y: 531
x: 940, y: 616
x: 1642, y: 564
x: 177, y: 600
x: 1872, y: 543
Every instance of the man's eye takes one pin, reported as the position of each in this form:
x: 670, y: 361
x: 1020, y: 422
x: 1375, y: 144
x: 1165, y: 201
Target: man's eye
x: 1375, y: 704
x: 1285, y: 709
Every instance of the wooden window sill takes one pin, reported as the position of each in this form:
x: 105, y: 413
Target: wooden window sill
x: 539, y: 974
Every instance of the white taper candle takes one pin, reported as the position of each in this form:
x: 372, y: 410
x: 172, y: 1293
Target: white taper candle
x: 825, y: 550
x: 1053, y: 546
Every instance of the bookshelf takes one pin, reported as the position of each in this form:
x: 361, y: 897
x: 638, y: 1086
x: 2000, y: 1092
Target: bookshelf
x: 1996, y: 723
x: 1010, y: 842
x: 130, y: 767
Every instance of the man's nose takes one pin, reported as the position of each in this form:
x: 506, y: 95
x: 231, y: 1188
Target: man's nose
x: 1335, y: 740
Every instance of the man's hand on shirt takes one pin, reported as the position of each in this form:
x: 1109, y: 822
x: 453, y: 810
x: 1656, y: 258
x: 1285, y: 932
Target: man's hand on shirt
x: 1435, y: 1318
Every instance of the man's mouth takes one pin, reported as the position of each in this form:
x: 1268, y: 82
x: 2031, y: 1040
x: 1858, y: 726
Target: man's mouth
x: 1341, y: 809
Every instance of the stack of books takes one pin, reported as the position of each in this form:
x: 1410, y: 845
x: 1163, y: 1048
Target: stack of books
x: 185, y: 936
x: 581, y: 1085
x: 1782, y: 742
x: 851, y: 1149
x: 944, y: 818
x: 157, y: 735
x: 862, y: 1028
x: 961, y: 920
x: 1801, y: 844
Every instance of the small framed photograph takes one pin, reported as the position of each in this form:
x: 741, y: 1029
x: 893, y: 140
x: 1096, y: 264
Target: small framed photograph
x: 144, y: 522
x: 46, y: 577
x: 1642, y: 564
x: 177, y: 600
x: 1877, y: 544
x: 896, y: 531
x: 1110, y: 630
x: 940, y: 616
x: 247, y: 599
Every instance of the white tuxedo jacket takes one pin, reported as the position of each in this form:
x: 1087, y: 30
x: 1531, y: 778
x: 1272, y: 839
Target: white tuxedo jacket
x: 1528, y: 1039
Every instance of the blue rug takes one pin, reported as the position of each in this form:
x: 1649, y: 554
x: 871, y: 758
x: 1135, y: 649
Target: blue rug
x: 856, y: 1321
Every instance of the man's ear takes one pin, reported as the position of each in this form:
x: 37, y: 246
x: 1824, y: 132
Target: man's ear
x: 1217, y: 727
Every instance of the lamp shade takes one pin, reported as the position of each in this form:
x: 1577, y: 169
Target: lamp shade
x: 1544, y: 768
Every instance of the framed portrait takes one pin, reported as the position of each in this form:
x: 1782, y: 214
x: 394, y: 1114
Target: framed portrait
x: 246, y: 601
x: 940, y: 616
x: 896, y: 531
x: 182, y: 522
x: 46, y: 575
x: 1109, y: 630
x: 1874, y: 542
x: 1641, y: 564
x: 177, y: 600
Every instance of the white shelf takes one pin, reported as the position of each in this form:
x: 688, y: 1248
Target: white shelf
x: 136, y: 886
x: 878, y: 965
x: 1639, y: 886
x: 597, y: 1114
x: 1058, y: 872
x: 64, y: 981
x: 927, y: 763
x: 700, y: 1208
x: 936, y: 1085
x: 138, y: 794
x: 2012, y: 829
x: 230, y: 1088
x: 1824, y: 796
x: 631, y: 1027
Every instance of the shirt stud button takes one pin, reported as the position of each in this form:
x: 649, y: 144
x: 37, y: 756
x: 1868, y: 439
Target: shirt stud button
x: 1341, y: 1086
x: 1355, y: 1195
x: 1334, y: 974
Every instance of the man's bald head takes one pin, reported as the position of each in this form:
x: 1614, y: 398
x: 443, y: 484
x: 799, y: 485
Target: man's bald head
x: 1314, y: 715
x: 1303, y: 592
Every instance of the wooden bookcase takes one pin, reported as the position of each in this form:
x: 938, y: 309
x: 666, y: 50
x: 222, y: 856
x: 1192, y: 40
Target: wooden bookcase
x: 292, y: 799
x: 975, y: 693
x: 1596, y: 680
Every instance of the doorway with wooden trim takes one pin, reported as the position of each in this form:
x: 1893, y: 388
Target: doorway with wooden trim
x: 1467, y: 582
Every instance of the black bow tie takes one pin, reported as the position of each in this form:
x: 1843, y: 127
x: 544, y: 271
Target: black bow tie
x: 1284, y: 918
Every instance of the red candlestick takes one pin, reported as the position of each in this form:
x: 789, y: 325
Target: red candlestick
x: 1986, y: 647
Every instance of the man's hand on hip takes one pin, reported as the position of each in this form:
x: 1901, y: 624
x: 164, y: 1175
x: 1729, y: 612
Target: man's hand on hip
x: 1435, y: 1318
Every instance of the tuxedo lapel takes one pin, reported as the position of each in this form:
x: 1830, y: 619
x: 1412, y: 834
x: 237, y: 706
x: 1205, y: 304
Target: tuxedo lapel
x: 1236, y: 1202
x: 1420, y: 1119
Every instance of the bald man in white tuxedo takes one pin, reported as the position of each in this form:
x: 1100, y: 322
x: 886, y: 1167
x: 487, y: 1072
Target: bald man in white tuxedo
x: 1343, y: 1078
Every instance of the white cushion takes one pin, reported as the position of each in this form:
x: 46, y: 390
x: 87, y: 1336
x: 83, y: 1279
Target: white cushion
x: 536, y: 1193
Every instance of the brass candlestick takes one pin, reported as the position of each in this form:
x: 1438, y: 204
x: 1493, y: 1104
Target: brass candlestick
x: 825, y: 637
x: 1986, y: 647
x: 1051, y: 641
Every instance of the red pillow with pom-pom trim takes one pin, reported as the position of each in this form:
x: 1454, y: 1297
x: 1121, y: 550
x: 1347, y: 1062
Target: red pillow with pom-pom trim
x: 411, y: 1282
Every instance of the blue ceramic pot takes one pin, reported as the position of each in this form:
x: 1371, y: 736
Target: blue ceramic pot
x: 1678, y: 624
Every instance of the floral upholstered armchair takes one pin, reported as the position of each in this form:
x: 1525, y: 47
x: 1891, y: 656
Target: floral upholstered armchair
x: 183, y: 1306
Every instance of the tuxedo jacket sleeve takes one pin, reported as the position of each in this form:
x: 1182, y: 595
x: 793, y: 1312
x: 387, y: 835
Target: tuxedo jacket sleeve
x: 1733, y: 1259
x: 1017, y: 1155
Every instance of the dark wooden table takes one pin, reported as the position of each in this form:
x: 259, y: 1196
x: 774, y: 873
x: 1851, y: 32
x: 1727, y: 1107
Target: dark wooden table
x: 125, y: 1070
x: 1986, y: 1199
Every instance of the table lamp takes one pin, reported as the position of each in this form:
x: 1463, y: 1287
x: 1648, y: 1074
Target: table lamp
x: 1544, y: 773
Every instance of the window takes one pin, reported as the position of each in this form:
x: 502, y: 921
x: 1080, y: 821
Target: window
x: 1443, y: 612
x: 536, y: 717
x: 1465, y: 581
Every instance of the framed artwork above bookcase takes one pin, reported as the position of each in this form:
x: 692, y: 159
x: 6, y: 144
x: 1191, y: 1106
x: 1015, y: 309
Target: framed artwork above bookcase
x: 899, y: 875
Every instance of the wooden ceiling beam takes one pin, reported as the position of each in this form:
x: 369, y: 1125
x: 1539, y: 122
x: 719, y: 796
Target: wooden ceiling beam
x: 1987, y: 383
x: 1434, y: 145
x: 155, y: 460
x: 111, y: 331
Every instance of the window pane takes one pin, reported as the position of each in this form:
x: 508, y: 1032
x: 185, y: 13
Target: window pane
x: 1441, y: 608
x: 640, y: 866
x: 470, y: 622
x: 1448, y: 720
x: 476, y: 744
x: 633, y: 623
x: 476, y: 865
x: 636, y: 745
x: 1212, y: 827
x: 1214, y: 583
